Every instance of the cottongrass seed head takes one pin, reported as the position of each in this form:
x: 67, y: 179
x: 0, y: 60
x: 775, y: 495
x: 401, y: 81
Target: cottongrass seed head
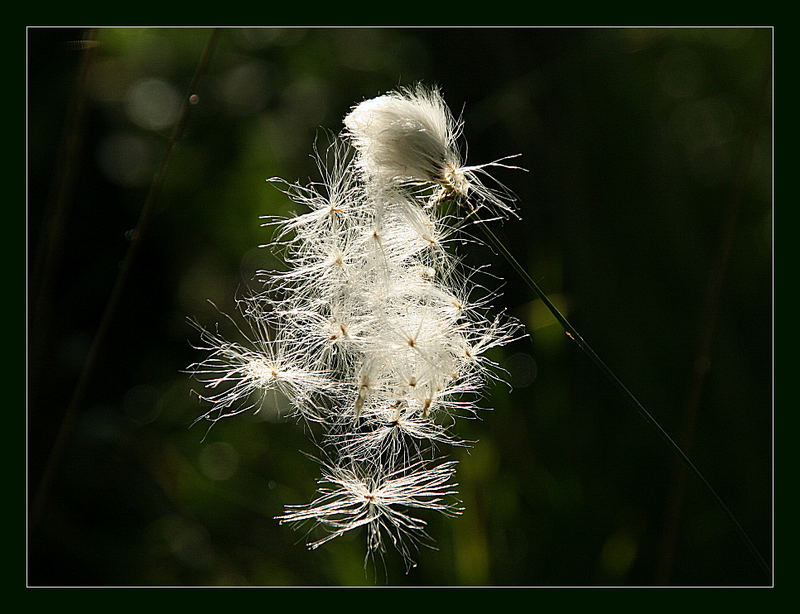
x: 409, y: 137
x: 375, y: 332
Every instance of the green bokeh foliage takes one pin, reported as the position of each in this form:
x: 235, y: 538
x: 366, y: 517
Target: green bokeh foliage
x: 638, y: 143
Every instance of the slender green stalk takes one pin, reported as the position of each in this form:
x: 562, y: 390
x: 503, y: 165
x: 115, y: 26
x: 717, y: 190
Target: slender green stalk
x: 573, y: 334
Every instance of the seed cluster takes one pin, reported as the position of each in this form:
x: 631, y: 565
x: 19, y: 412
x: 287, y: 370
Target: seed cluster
x: 375, y: 331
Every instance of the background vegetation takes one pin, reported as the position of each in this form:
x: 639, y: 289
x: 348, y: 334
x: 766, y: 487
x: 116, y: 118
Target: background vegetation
x: 646, y: 215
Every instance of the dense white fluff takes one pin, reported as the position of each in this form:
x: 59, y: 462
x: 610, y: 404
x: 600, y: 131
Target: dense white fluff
x: 374, y: 330
x: 410, y: 137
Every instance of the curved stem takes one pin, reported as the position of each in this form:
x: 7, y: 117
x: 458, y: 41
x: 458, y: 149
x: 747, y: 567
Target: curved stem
x: 44, y: 270
x: 708, y: 319
x: 573, y: 334
x: 89, y: 365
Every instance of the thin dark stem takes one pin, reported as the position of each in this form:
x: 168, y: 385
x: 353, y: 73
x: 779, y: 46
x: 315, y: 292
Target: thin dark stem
x: 51, y: 239
x: 708, y: 320
x: 65, y: 172
x: 116, y: 293
x: 573, y: 334
x: 676, y: 493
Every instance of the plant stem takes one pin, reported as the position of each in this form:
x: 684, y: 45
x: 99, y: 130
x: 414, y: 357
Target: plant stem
x: 708, y: 320
x: 573, y: 334
x: 89, y: 365
x: 51, y: 238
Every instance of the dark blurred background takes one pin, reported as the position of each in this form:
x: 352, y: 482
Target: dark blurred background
x: 645, y: 214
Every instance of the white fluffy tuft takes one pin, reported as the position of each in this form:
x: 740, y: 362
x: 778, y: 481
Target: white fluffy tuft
x: 374, y: 330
